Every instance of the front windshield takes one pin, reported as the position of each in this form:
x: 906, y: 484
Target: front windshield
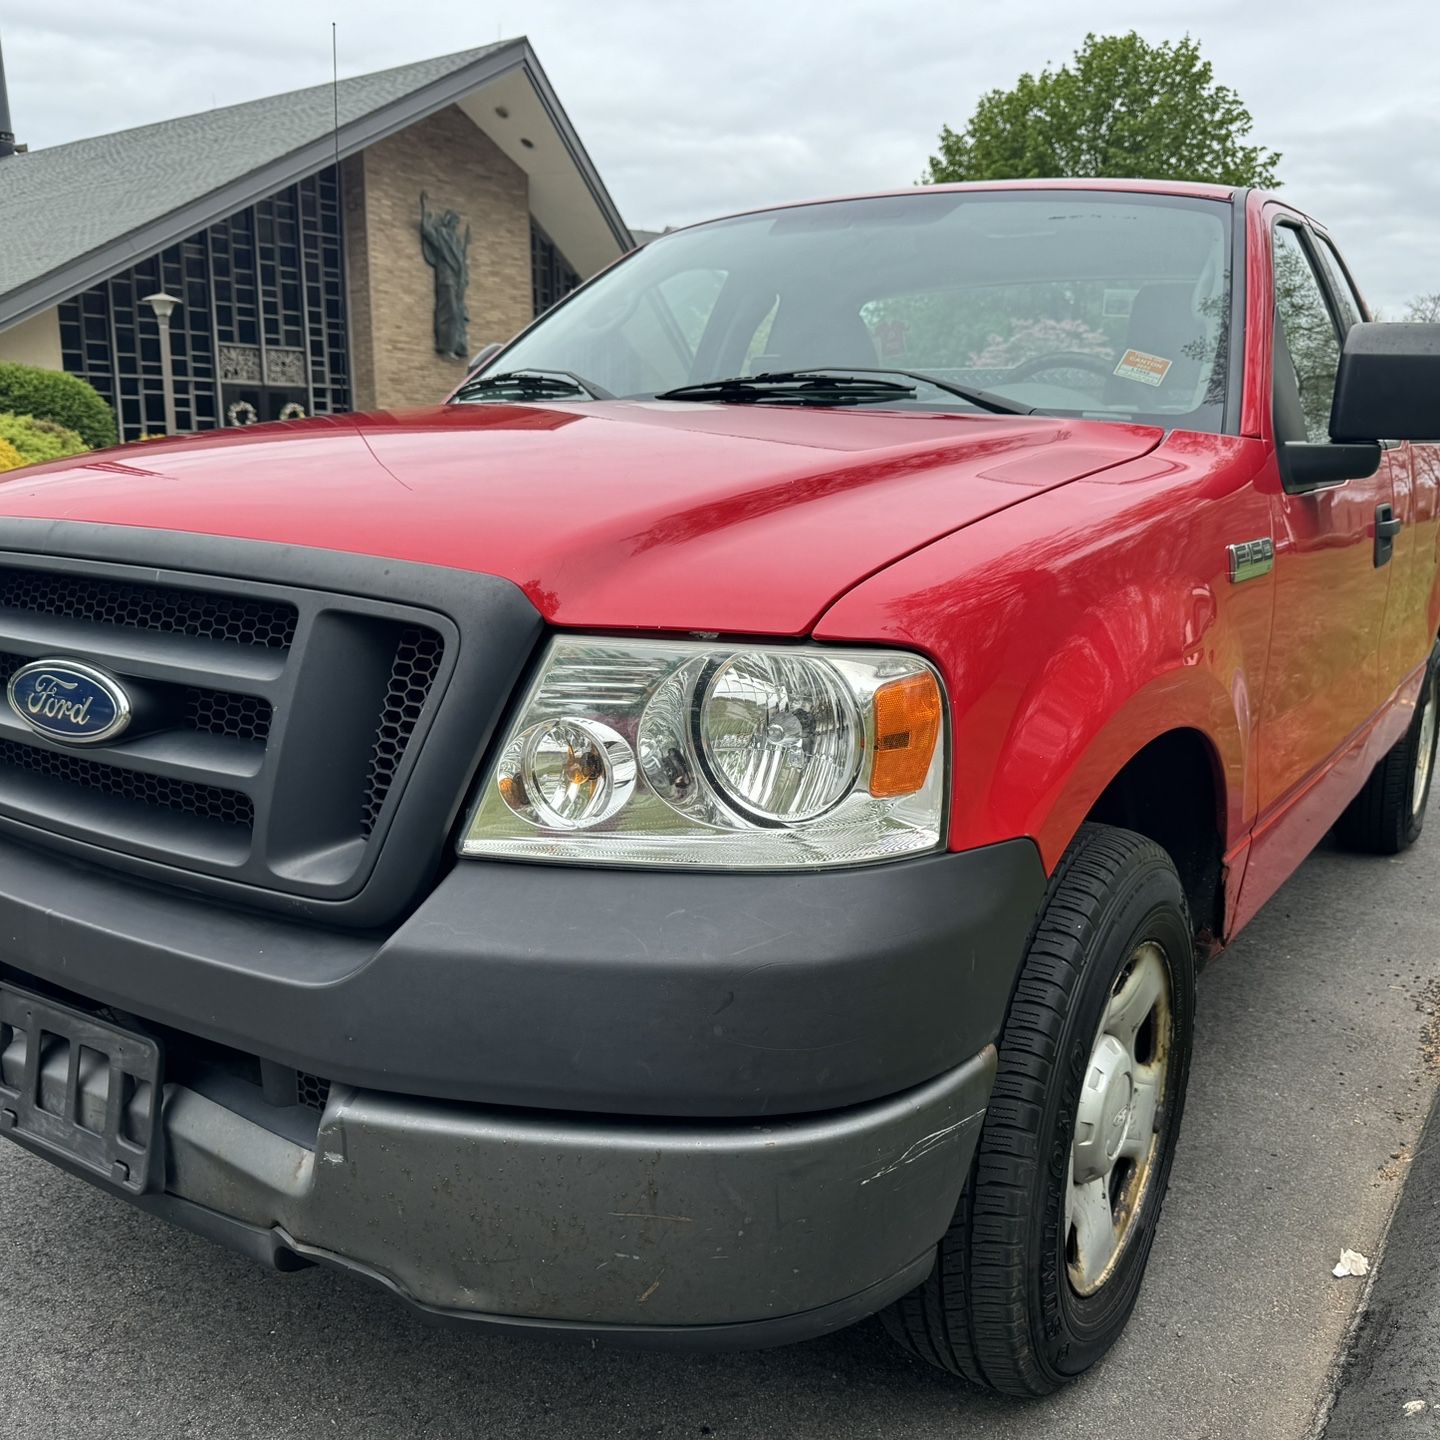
x: 1068, y: 302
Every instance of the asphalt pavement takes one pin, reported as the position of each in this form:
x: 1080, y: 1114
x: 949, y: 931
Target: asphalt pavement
x: 1315, y: 1069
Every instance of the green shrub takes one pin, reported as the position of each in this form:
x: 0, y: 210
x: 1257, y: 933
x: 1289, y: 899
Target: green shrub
x: 64, y: 399
x: 10, y: 457
x: 39, y: 440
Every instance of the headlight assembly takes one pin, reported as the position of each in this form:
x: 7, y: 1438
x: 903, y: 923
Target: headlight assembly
x: 651, y: 753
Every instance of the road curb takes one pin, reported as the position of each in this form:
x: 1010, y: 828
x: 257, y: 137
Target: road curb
x: 1391, y: 1354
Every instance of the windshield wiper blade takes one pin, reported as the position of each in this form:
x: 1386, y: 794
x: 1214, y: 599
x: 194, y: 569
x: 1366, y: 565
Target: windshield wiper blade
x: 850, y: 386
x: 985, y: 399
x: 808, y: 387
x: 531, y: 384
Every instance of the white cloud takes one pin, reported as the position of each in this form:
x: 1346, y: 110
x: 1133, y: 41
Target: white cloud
x: 693, y: 109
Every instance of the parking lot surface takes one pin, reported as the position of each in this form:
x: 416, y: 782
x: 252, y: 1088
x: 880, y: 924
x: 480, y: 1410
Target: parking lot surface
x: 1315, y: 1068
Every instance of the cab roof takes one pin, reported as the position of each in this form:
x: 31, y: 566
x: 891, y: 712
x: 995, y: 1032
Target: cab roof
x: 1186, y: 189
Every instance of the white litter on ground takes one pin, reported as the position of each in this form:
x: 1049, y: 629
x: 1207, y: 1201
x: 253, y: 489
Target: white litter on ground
x: 1413, y: 1407
x: 1352, y: 1262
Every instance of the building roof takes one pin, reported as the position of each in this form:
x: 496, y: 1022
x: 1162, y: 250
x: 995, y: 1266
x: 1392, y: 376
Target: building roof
x: 76, y: 213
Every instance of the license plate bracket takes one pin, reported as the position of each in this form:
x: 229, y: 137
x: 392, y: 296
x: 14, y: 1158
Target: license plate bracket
x: 81, y: 1091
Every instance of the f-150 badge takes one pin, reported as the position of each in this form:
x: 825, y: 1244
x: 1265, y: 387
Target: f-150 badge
x: 1251, y: 559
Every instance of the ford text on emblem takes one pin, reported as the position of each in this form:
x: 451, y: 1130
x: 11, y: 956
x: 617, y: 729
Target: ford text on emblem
x: 65, y: 700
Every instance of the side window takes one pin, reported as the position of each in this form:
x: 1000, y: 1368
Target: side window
x: 1340, y: 285
x: 1311, y: 338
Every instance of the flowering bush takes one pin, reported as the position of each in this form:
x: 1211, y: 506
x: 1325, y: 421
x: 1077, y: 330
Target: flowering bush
x: 38, y: 440
x: 10, y: 457
x: 1044, y: 336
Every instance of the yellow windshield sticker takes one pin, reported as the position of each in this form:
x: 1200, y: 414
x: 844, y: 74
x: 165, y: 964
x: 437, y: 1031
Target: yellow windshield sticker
x: 1147, y: 369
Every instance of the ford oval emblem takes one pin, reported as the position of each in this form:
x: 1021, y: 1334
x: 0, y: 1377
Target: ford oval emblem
x: 65, y: 700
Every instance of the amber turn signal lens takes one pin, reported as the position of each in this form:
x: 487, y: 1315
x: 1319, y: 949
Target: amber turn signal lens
x: 907, y: 727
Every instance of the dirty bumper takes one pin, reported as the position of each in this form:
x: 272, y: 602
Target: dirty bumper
x: 705, y: 1232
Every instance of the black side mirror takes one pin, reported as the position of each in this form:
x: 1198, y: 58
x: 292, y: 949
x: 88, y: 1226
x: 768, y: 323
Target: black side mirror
x: 1388, y: 385
x: 1306, y: 465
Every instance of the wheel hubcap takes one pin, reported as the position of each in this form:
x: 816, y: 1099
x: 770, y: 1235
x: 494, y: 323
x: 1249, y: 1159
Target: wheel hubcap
x: 1117, y: 1123
x: 1425, y: 764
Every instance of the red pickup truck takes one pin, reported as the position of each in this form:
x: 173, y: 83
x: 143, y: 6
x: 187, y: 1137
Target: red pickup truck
x: 710, y: 834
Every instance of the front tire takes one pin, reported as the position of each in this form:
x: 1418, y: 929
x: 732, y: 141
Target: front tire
x: 1387, y: 816
x: 1041, y: 1267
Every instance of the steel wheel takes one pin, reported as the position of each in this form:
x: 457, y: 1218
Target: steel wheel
x: 1043, y: 1262
x: 1117, y: 1139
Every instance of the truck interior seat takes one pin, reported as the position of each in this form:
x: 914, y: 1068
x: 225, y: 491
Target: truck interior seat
x: 829, y: 338
x: 1163, y: 323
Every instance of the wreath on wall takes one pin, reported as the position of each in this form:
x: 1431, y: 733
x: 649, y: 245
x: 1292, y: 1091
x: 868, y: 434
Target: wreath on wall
x: 293, y: 411
x: 242, y: 412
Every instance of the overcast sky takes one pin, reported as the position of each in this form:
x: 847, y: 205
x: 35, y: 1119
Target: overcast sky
x: 693, y: 109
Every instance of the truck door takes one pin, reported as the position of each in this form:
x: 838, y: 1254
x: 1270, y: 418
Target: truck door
x: 1409, y: 631
x: 1332, y: 578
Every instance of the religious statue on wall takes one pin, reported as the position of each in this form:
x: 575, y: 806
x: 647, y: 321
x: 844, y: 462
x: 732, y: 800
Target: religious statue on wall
x: 447, y: 252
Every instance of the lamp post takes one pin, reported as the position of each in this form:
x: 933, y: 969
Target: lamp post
x: 164, y: 307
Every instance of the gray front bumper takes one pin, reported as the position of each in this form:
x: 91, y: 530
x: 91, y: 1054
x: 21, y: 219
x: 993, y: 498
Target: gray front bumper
x: 714, y: 1232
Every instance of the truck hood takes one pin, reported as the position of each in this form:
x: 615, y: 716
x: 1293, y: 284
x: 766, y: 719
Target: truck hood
x: 616, y: 515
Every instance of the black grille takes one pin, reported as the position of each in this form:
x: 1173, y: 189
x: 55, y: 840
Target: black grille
x: 277, y: 718
x: 206, y: 801
x: 245, y: 717
x: 268, y: 623
x: 412, y: 673
x: 311, y: 1090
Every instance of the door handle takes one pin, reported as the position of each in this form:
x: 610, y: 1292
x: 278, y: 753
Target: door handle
x: 1387, y: 527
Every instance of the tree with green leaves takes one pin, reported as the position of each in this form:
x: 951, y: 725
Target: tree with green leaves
x: 1122, y: 108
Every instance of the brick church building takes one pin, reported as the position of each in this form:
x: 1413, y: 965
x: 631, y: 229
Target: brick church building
x: 303, y: 285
